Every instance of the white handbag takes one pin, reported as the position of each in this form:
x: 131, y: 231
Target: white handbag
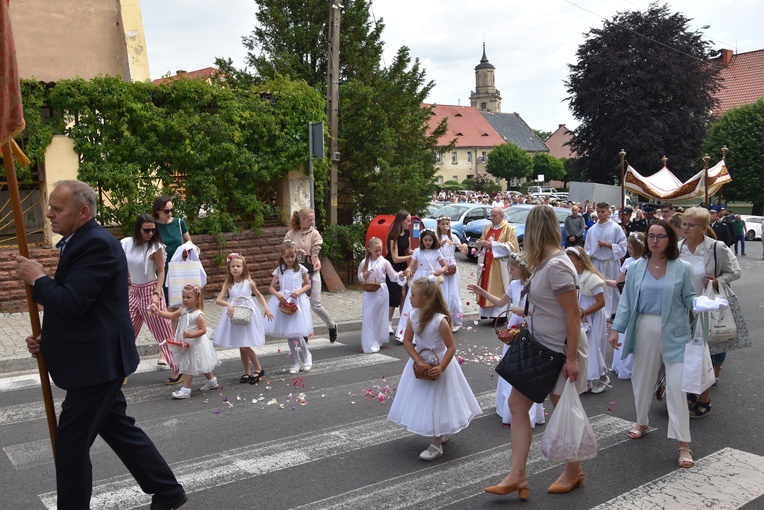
x: 721, y: 323
x: 697, y: 368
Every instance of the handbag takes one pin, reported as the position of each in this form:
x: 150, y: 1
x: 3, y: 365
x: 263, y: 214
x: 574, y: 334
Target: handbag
x: 242, y: 312
x: 528, y: 366
x: 568, y: 436
x: 697, y: 368
x: 449, y: 270
x: 180, y: 274
x: 308, y: 264
x: 370, y: 286
x: 742, y: 339
x: 721, y: 323
x: 423, y: 371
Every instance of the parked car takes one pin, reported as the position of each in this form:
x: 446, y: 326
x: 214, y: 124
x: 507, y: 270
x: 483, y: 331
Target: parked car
x: 460, y: 215
x: 752, y: 226
x: 516, y: 216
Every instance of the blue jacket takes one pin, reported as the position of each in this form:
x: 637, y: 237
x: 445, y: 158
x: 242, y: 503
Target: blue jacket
x: 678, y: 293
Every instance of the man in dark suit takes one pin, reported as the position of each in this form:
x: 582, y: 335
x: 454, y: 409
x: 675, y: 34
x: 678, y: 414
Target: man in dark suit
x: 89, y: 347
x: 718, y: 226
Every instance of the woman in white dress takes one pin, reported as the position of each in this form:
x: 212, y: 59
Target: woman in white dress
x: 518, y: 269
x: 433, y: 408
x: 449, y: 243
x: 426, y: 261
x: 373, y: 269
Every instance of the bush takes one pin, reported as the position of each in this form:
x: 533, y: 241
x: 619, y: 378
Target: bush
x: 344, y: 245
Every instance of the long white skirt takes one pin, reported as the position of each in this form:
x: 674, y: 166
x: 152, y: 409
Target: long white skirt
x: 434, y: 408
x: 597, y: 339
x: 374, y: 331
x: 452, y: 293
x: 503, y: 389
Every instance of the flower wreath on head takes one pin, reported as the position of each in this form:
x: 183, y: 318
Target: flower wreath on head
x: 193, y: 288
x: 432, y: 278
x: 573, y: 250
x: 519, y: 260
x: 232, y: 256
x: 635, y: 236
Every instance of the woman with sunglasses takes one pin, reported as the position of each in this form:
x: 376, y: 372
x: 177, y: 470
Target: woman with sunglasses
x: 145, y: 263
x: 653, y: 312
x: 173, y: 231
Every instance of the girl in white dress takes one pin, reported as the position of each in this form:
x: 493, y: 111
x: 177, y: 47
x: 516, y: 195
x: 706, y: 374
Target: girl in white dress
x: 292, y: 281
x: 635, y: 245
x: 373, y: 268
x: 239, y: 287
x: 449, y: 243
x: 426, y: 261
x: 591, y: 301
x: 446, y: 405
x: 518, y: 269
x: 192, y: 350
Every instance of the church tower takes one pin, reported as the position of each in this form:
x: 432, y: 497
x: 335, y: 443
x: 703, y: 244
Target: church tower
x: 485, y: 97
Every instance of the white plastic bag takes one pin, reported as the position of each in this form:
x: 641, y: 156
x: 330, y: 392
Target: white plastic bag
x: 697, y: 368
x: 721, y: 322
x: 569, y: 436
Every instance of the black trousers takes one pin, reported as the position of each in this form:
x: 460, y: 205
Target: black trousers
x: 100, y: 410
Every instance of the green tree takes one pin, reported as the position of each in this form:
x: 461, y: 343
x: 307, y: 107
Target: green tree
x: 507, y: 161
x: 742, y: 131
x: 291, y: 39
x: 642, y: 83
x: 543, y: 135
x: 552, y: 168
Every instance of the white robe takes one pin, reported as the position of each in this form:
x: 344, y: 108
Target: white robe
x: 606, y: 260
x: 374, y: 331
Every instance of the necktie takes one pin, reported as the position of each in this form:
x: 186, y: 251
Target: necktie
x: 60, y: 245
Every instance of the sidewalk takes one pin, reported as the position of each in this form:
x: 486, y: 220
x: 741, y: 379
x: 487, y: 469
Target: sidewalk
x: 343, y: 307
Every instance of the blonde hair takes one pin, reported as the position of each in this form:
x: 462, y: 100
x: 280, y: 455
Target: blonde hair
x: 542, y: 231
x: 580, y: 254
x: 433, y: 302
x: 244, y: 269
x: 196, y: 291
x: 637, y: 242
x: 372, y: 242
x: 284, y: 248
x: 517, y: 260
x: 300, y: 215
x: 438, y: 231
x: 699, y: 214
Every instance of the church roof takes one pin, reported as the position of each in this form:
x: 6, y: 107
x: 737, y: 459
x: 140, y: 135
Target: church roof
x: 466, y: 125
x: 556, y: 143
x: 513, y: 129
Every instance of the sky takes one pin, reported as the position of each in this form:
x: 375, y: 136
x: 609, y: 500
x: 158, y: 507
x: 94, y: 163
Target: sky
x: 531, y: 44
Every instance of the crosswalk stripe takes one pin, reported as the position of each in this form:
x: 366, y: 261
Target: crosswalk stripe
x: 466, y: 476
x: 221, y: 468
x: 731, y: 476
x: 14, y: 414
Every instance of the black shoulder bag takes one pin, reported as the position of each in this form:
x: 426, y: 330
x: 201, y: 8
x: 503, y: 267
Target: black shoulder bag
x: 528, y: 366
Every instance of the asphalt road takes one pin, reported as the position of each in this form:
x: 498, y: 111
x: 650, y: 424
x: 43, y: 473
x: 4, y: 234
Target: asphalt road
x: 268, y: 446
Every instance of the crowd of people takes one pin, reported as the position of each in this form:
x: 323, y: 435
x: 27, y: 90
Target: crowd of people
x: 639, y: 271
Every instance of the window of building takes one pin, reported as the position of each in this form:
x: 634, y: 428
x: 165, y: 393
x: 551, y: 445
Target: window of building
x: 453, y: 158
x: 469, y: 157
x: 439, y: 157
x: 456, y: 178
x: 440, y: 179
x: 483, y: 106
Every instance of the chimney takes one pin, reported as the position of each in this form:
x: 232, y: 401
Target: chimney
x: 726, y: 57
x: 180, y: 72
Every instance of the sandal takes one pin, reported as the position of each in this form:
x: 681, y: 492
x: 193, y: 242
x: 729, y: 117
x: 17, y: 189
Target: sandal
x: 173, y: 380
x: 256, y: 378
x: 245, y: 378
x: 637, y: 431
x: 700, y: 409
x: 685, y: 457
x: 691, y: 399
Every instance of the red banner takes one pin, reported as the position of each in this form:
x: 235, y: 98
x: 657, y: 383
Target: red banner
x: 11, y: 110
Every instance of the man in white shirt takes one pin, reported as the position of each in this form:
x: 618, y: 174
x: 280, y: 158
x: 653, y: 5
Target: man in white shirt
x: 606, y: 245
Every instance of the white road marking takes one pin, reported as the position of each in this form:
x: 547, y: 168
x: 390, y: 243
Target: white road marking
x: 728, y: 479
x: 465, y: 477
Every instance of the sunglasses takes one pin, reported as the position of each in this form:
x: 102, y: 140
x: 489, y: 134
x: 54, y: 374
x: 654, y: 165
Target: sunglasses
x: 148, y: 230
x: 168, y: 211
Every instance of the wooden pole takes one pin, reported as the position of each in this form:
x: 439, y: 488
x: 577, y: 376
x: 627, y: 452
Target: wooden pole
x: 34, y: 316
x: 333, y: 104
x: 623, y: 184
x: 705, y: 177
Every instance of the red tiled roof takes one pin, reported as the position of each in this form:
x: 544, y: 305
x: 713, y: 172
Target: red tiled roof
x: 201, y: 74
x: 742, y: 81
x: 466, y: 124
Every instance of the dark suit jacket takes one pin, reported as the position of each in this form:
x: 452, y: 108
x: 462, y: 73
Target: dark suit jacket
x: 87, y: 335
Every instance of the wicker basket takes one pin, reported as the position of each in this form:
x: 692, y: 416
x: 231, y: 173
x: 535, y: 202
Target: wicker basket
x: 449, y: 270
x: 506, y: 335
x: 242, y: 312
x: 423, y: 371
x: 288, y: 308
x: 370, y: 286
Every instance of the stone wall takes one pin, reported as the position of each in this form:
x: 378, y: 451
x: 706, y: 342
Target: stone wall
x: 260, y: 251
